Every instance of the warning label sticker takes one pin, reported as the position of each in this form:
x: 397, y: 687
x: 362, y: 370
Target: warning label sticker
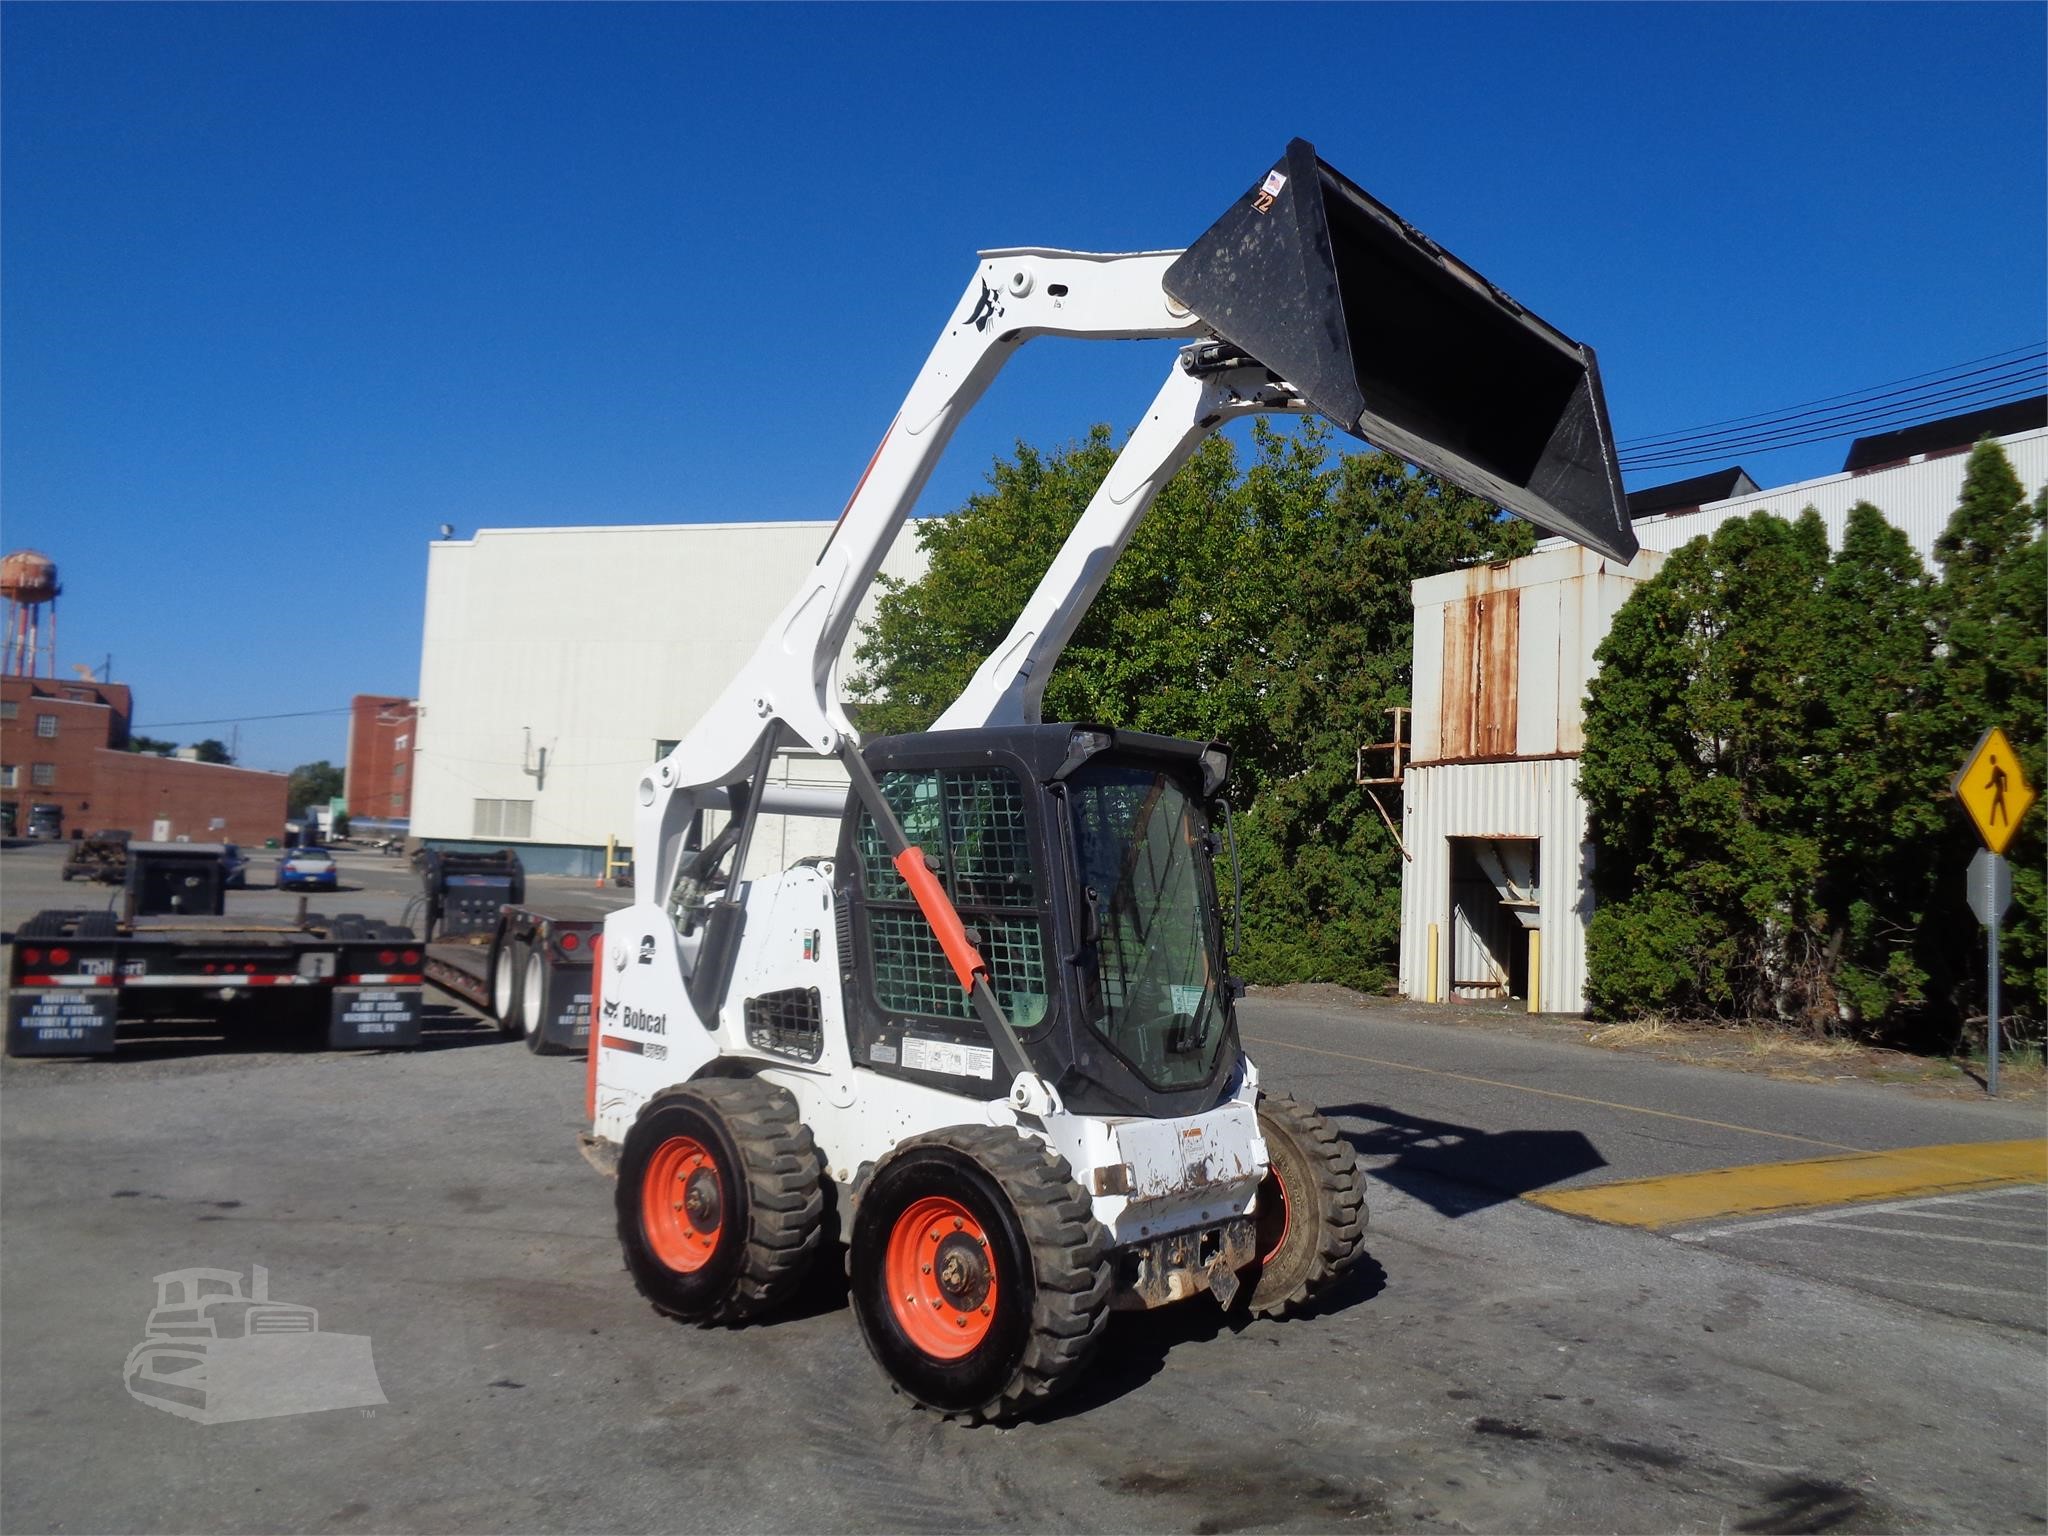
x: 948, y: 1056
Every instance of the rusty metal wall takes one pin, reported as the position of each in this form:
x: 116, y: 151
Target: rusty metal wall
x: 1479, y: 712
x: 1503, y: 652
x: 1537, y: 799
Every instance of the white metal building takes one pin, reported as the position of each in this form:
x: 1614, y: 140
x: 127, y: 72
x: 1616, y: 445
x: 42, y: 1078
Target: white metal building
x: 1496, y: 882
x: 558, y: 663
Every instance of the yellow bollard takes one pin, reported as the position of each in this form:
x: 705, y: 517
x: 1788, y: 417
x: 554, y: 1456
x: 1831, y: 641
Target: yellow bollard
x: 1535, y: 968
x: 1430, y: 995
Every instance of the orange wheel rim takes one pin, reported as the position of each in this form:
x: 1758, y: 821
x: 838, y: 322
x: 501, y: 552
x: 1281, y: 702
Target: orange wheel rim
x: 682, y: 1204
x: 1273, y: 1218
x: 941, y: 1276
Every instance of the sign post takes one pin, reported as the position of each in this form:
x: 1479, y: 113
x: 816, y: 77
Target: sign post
x: 1997, y: 795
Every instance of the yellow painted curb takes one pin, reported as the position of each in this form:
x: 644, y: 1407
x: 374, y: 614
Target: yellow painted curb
x: 1751, y: 1191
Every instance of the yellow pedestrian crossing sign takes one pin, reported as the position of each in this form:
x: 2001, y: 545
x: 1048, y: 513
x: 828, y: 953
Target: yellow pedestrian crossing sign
x: 1994, y: 790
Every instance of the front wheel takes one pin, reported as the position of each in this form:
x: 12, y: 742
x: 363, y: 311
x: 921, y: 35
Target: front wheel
x: 979, y: 1276
x: 1311, y: 1212
x: 720, y: 1199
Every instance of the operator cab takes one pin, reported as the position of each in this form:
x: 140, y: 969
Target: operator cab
x: 1082, y: 861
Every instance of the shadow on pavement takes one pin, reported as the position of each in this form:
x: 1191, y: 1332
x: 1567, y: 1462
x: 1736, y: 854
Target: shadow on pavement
x: 1137, y: 1344
x: 1457, y: 1169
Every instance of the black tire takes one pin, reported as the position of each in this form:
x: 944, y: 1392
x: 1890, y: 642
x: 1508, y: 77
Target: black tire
x: 1311, y: 1213
x: 766, y: 1180
x: 505, y: 973
x: 533, y: 992
x: 1043, y: 1257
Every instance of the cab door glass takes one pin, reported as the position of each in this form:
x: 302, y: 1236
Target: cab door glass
x: 1140, y: 847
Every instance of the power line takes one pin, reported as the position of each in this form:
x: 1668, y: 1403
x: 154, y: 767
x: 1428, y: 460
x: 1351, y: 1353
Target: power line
x: 296, y: 714
x: 2033, y: 349
x: 1920, y: 398
x: 1954, y: 402
x: 1722, y: 455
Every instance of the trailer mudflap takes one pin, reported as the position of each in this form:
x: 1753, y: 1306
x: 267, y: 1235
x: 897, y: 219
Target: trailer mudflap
x: 565, y: 1006
x: 374, y: 1018
x: 62, y: 1021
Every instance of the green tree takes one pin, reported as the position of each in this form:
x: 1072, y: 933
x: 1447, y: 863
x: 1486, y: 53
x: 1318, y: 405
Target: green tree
x: 310, y: 785
x: 1699, y: 778
x: 211, y: 751
x: 1876, y: 755
x: 150, y: 745
x: 1268, y: 609
x: 1994, y: 672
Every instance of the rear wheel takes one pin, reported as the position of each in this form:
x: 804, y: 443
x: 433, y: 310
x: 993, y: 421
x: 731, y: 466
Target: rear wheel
x: 533, y: 1001
x: 505, y: 989
x: 1311, y: 1208
x: 979, y: 1276
x: 720, y: 1200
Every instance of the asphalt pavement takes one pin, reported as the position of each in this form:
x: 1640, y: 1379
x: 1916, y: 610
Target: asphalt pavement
x: 1494, y: 1365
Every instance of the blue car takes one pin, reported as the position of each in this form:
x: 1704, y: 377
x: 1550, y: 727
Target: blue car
x: 307, y: 869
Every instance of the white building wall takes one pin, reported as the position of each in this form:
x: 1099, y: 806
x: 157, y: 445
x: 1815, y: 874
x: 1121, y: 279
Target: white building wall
x: 594, y: 644
x: 1917, y: 498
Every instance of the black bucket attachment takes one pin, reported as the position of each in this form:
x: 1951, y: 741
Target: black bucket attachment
x: 1402, y: 344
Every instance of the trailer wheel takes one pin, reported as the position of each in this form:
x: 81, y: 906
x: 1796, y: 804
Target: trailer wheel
x: 533, y: 992
x: 979, y: 1276
x: 1311, y: 1208
x: 505, y: 988
x: 720, y: 1200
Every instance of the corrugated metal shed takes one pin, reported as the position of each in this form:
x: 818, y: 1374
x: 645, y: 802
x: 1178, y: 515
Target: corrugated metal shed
x: 1473, y: 777
x: 1493, y: 801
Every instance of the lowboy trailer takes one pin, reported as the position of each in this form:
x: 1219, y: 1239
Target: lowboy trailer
x: 74, y: 977
x: 527, y: 967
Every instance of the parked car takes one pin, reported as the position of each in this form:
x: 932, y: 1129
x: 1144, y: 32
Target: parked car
x: 307, y: 868
x: 236, y: 864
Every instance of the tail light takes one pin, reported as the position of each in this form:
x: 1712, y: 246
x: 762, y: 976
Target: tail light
x: 387, y: 958
x: 60, y: 957
x: 412, y: 957
x: 571, y: 941
x: 31, y: 957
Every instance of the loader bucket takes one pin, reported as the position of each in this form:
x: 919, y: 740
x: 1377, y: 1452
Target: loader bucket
x: 1402, y: 344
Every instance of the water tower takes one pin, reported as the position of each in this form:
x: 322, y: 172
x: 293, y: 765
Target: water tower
x: 28, y: 581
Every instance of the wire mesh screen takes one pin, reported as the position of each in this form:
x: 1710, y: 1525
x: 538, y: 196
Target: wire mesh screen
x: 912, y: 974
x: 789, y: 1023
x: 971, y: 824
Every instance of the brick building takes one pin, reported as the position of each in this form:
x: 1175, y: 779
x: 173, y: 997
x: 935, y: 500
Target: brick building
x: 50, y: 732
x: 378, y: 779
x: 63, y: 744
x: 173, y: 799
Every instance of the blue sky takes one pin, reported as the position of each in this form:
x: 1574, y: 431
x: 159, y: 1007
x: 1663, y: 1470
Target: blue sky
x: 282, y: 288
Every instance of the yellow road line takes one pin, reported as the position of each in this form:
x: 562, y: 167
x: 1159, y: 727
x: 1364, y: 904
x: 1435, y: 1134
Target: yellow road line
x: 1902, y: 1173
x: 1552, y: 1093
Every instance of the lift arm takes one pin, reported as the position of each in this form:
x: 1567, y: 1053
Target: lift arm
x: 1305, y: 278
x: 787, y: 687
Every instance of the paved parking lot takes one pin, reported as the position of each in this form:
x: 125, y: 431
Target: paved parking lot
x: 1493, y: 1366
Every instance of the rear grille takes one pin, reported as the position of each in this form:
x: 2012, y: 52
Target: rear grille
x: 788, y: 1023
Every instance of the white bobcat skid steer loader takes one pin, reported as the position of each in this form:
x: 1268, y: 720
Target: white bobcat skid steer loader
x: 994, y: 1038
